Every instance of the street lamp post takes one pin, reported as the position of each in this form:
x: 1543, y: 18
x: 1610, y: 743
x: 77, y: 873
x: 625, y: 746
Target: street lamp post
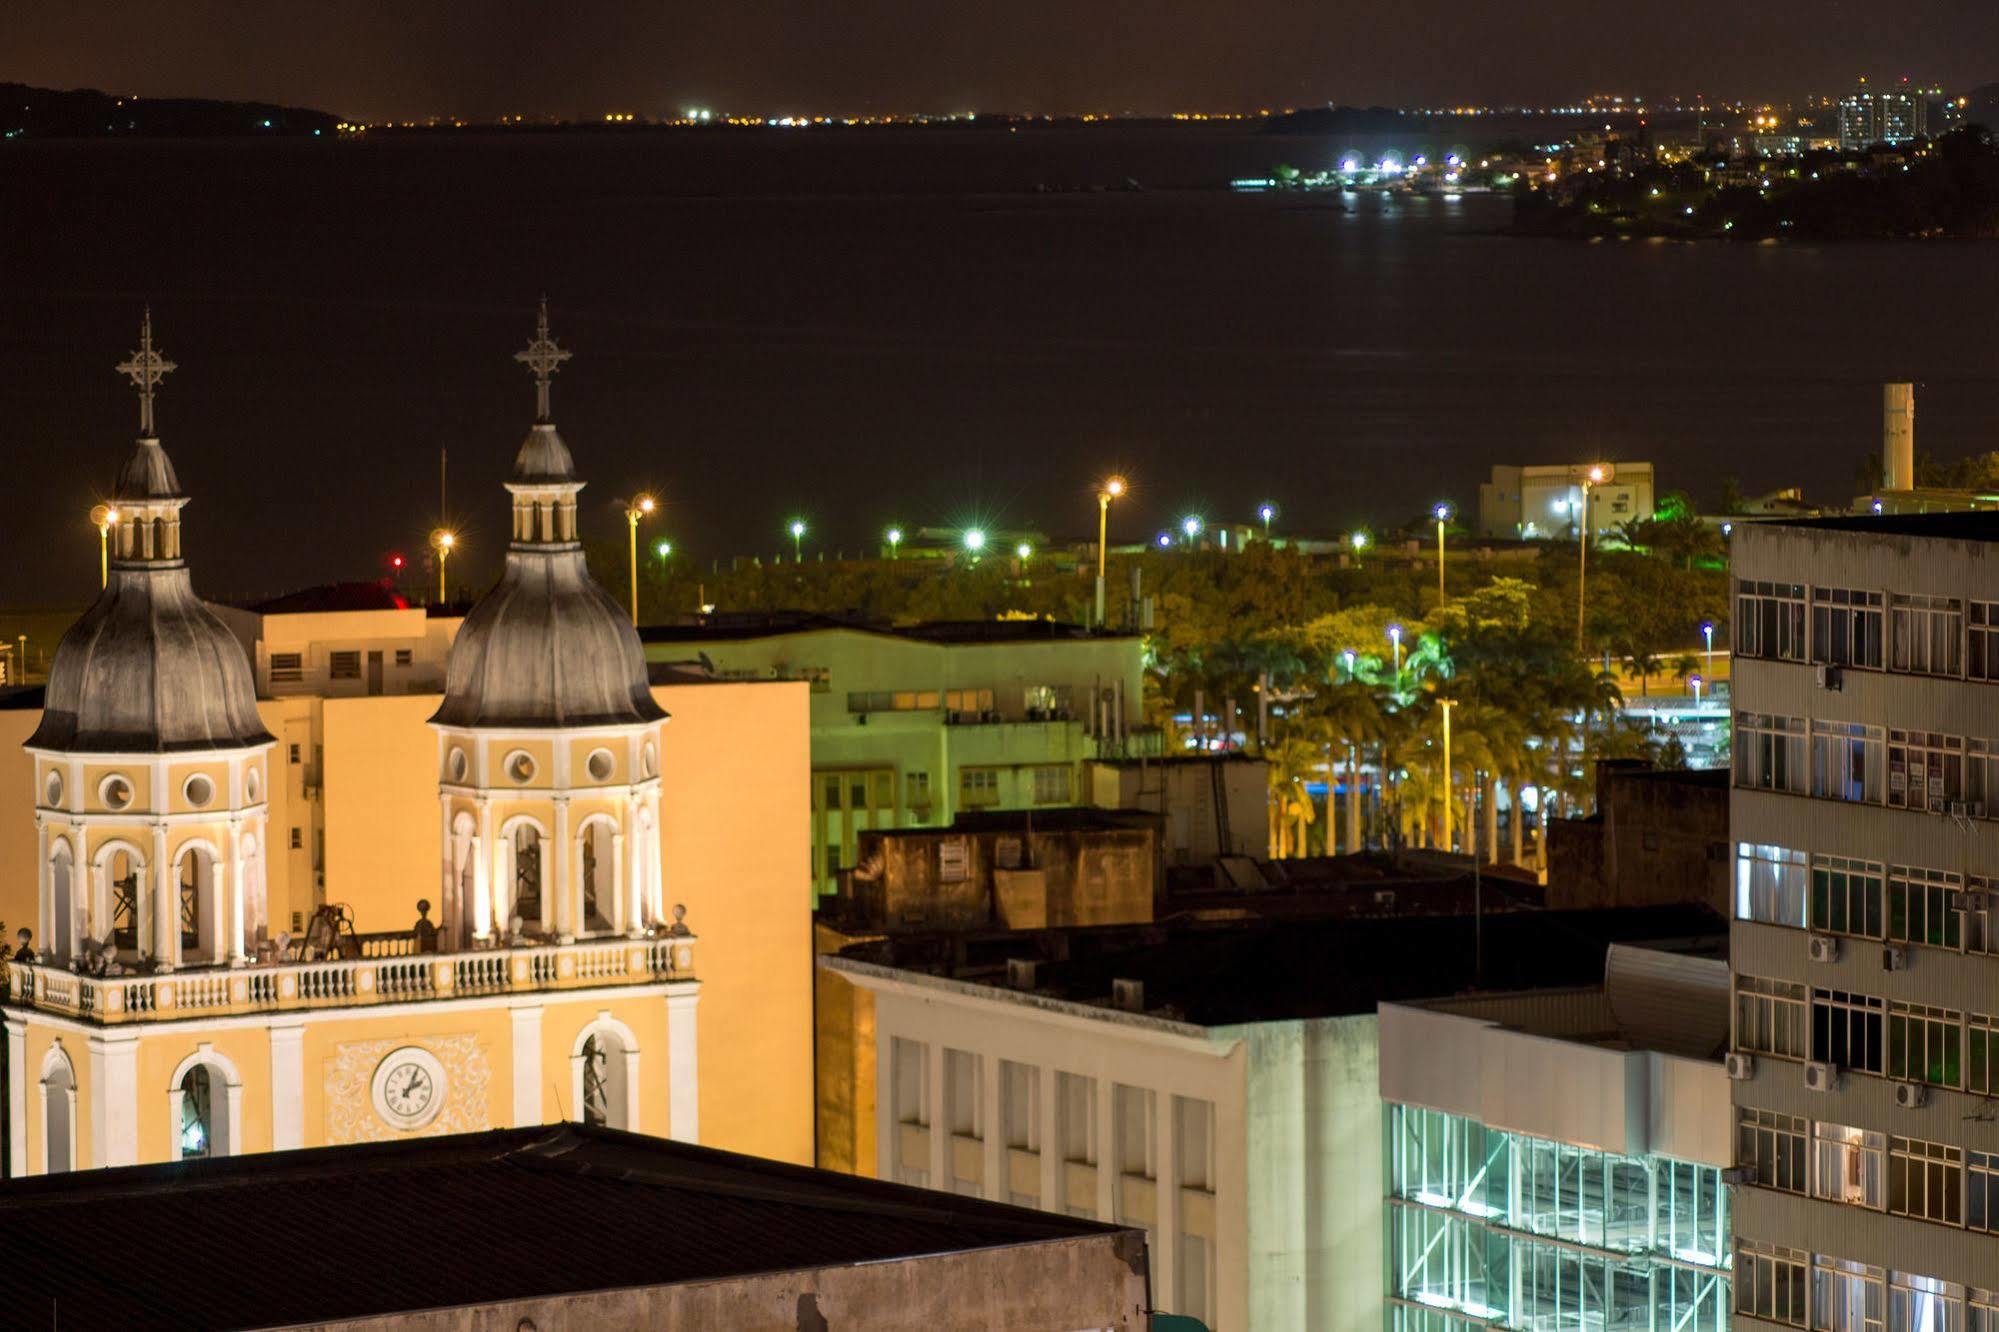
x: 1447, y: 704
x: 1707, y: 636
x: 1191, y: 525
x: 443, y: 542
x: 1349, y: 657
x: 975, y: 541
x: 1266, y: 511
x: 105, y: 518
x: 1111, y: 489
x: 894, y: 538
x: 1358, y: 542
x: 797, y: 530
x: 1395, y: 637
x: 1443, y: 516
x: 1023, y: 552
x: 641, y: 507
x: 1696, y: 682
x: 1595, y: 476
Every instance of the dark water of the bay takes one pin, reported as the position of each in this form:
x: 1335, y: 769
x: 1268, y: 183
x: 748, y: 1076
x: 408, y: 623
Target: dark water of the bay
x: 917, y: 327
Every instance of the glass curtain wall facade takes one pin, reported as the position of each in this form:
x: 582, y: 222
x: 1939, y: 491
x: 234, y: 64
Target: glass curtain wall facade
x: 1491, y: 1229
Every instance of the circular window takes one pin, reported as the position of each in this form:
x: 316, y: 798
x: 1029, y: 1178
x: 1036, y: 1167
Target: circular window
x: 115, y: 791
x: 408, y: 1087
x: 601, y: 765
x: 520, y: 766
x: 460, y: 765
x: 253, y: 785
x: 52, y: 790
x: 651, y: 759
x: 198, y: 790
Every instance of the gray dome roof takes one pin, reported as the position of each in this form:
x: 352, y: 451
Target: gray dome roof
x: 544, y: 459
x: 147, y: 670
x: 147, y: 474
x: 546, y: 647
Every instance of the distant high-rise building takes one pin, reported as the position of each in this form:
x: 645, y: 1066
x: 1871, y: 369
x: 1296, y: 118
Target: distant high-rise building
x: 1868, y: 116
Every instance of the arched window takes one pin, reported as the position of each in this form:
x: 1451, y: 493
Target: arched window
x: 606, y: 1074
x: 58, y: 1113
x: 599, y: 876
x: 527, y: 873
x: 196, y: 904
x: 197, y: 1119
x: 123, y: 873
x: 62, y: 902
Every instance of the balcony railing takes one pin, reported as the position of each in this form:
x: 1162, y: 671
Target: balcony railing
x: 212, y: 991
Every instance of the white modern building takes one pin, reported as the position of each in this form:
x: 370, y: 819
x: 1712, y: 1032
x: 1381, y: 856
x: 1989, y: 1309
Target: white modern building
x: 1866, y: 1023
x: 1546, y: 502
x: 1555, y: 1158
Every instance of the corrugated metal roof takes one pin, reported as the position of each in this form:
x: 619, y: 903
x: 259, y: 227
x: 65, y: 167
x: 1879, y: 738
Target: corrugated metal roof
x: 1668, y: 1001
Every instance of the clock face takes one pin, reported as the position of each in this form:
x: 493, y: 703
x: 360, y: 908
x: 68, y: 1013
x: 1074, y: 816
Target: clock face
x: 409, y: 1087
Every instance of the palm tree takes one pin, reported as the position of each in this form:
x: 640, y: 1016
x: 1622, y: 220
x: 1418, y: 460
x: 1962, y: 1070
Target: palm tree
x: 1291, y: 764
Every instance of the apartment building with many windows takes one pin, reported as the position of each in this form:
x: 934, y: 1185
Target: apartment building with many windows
x: 1865, y: 1041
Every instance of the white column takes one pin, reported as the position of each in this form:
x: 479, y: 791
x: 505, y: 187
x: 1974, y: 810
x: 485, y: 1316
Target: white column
x: 96, y: 891
x: 558, y: 858
x: 631, y: 917
x: 527, y: 1064
x: 1108, y: 1174
x: 683, y: 1065
x: 114, y: 1100
x: 888, y: 1115
x: 166, y: 905
x: 940, y: 1124
x: 449, y: 905
x: 45, y: 901
x: 287, y: 1085
x: 995, y: 1169
x: 17, y: 1098
x: 1166, y: 1205
x: 631, y: 868
x: 655, y: 860
x: 1053, y: 1171
x: 237, y: 955
x: 483, y: 889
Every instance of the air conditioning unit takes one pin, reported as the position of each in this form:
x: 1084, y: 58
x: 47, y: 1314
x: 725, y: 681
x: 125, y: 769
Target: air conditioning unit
x: 1739, y: 1175
x: 1823, y: 948
x: 1129, y: 995
x: 1911, y: 1095
x: 1740, y: 1066
x: 1894, y: 957
x: 1965, y: 809
x: 1821, y: 1077
x: 1022, y: 973
x: 1827, y: 677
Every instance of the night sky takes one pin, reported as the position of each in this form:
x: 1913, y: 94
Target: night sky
x: 482, y: 58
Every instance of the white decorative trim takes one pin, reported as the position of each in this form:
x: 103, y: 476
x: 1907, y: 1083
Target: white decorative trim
x: 114, y: 1098
x: 628, y: 1043
x: 232, y: 1110
x: 527, y: 1064
x: 287, y: 1085
x: 683, y: 1068
x: 426, y: 1079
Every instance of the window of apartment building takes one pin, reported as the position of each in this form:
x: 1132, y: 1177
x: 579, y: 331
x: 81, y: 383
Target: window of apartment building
x: 1774, y: 1148
x: 1846, y: 627
x: 1770, y: 1017
x: 343, y: 665
x: 1925, y: 1044
x: 888, y: 700
x: 1020, y: 1115
x: 405, y: 657
x: 1981, y: 1191
x: 1051, y: 784
x: 1982, y: 649
x: 1769, y: 620
x: 291, y: 753
x: 909, y: 1082
x: 287, y: 667
x: 916, y: 785
x: 963, y: 1118
x: 1076, y: 1137
x: 1920, y: 906
x: 1981, y: 1310
x: 1770, y: 1282
x: 968, y: 700
x: 1847, y: 762
x: 1847, y: 1296
x: 1925, y: 1180
x: 1195, y: 1274
x: 1135, y: 1114
x: 1194, y: 1138
x: 1924, y: 634
x: 1691, y: 1213
x: 1924, y: 1304
x: 1847, y: 1030
x: 1848, y: 1165
x: 1925, y: 770
x: 297, y: 840
x: 1770, y: 753
x: 1981, y: 1054
x: 1045, y: 702
x: 1846, y: 896
x: 1975, y: 909
x: 1981, y: 775
x: 1770, y: 884
x: 978, y: 788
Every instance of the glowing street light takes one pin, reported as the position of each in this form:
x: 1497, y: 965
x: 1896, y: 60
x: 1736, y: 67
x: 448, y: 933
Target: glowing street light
x: 1395, y: 637
x: 1707, y: 636
x: 1447, y: 704
x: 640, y: 507
x: 975, y: 539
x: 104, y: 518
x: 894, y: 538
x: 443, y: 541
x: 1165, y: 540
x: 797, y: 530
x: 1442, y: 513
x: 1191, y: 525
x: 1696, y: 682
x: 1023, y: 551
x: 1357, y: 541
x: 1348, y: 656
x: 1596, y: 475
x: 1266, y: 511
x: 1112, y: 488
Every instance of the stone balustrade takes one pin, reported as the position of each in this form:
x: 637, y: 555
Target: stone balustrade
x: 206, y: 991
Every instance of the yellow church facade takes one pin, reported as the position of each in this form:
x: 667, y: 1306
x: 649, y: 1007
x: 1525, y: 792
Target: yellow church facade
x: 259, y: 924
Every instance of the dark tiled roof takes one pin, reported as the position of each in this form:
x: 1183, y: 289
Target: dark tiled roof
x: 1957, y: 525
x: 380, y: 1228
x: 333, y: 597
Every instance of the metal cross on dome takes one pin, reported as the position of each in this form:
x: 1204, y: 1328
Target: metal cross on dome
x: 146, y: 368
x: 544, y: 358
